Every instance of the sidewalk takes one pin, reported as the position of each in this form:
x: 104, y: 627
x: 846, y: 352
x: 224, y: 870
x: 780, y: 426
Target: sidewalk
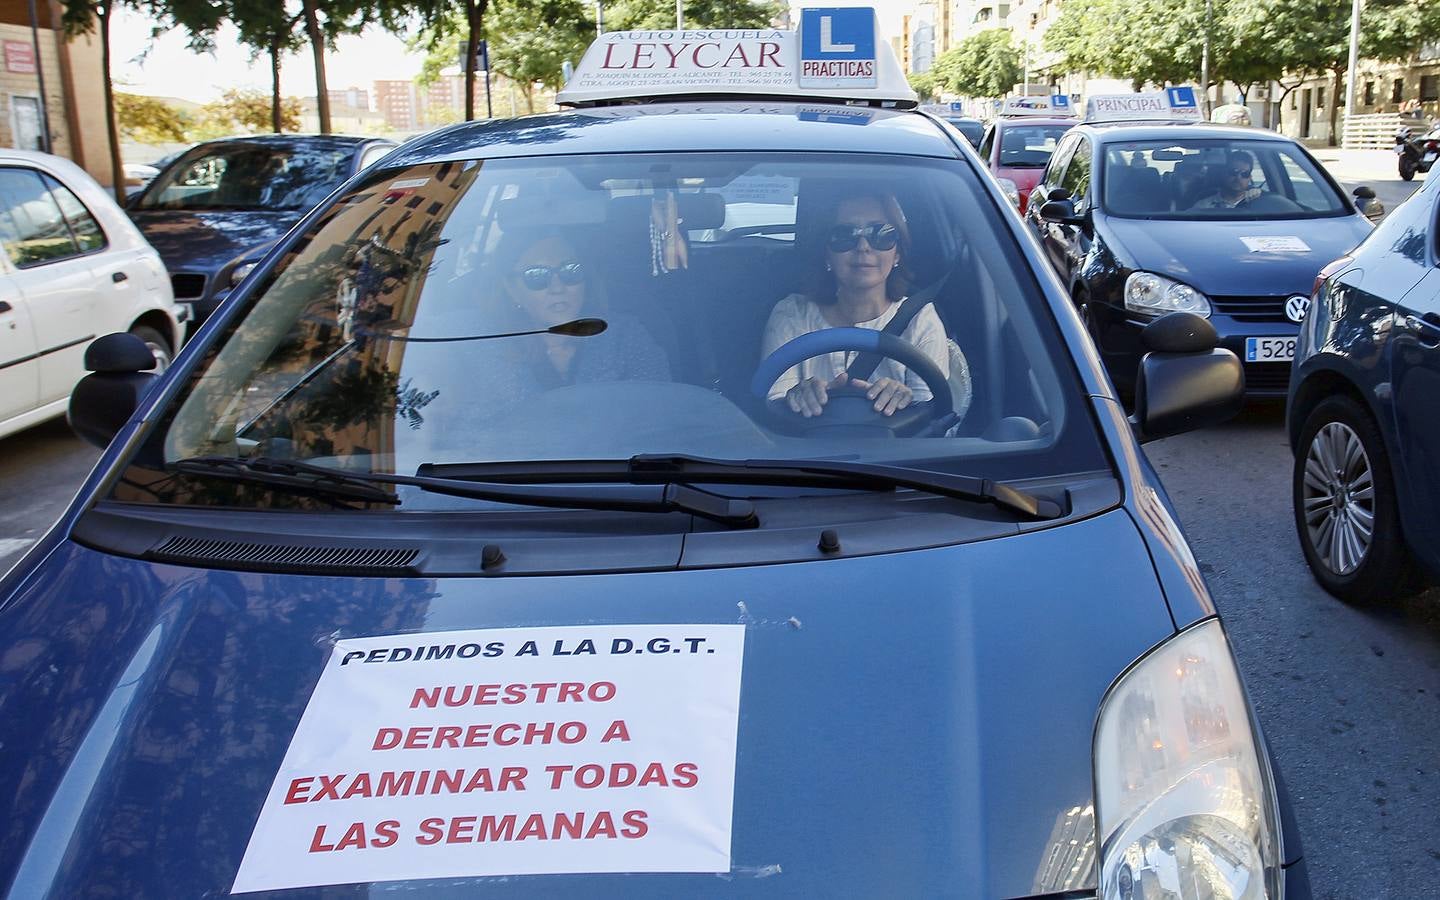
x: 1359, y: 165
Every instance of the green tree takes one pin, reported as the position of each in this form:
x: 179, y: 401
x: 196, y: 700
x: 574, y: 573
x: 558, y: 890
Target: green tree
x: 925, y: 85
x: 986, y: 64
x: 245, y: 112
x: 150, y: 121
x: 632, y: 15
x: 527, y: 55
x: 444, y: 22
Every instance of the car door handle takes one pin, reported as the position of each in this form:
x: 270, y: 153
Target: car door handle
x: 118, y: 277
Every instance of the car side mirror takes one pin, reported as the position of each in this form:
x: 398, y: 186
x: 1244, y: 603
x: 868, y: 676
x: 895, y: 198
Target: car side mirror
x: 1062, y: 212
x: 1184, y: 382
x: 104, y: 400
x: 1365, y: 201
x: 1058, y: 193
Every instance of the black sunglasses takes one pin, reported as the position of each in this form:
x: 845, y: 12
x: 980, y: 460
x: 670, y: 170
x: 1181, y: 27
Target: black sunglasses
x: 878, y: 235
x: 1241, y: 173
x: 538, y: 278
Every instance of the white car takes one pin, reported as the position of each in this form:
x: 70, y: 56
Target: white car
x: 73, y: 267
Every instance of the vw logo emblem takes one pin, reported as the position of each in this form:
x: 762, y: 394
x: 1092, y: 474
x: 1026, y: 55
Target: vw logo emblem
x: 1296, y: 307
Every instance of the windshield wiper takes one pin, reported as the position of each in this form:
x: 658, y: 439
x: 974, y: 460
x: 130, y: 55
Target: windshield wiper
x: 646, y: 468
x: 657, y: 497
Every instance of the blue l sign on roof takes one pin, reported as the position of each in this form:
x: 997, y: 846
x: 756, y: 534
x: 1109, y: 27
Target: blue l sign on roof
x: 837, y: 47
x: 1181, y: 97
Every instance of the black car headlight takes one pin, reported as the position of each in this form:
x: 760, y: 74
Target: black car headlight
x: 1184, y: 803
x: 1155, y: 295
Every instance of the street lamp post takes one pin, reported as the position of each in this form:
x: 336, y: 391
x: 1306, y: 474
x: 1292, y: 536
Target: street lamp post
x: 1205, y: 64
x: 599, y: 18
x: 679, y: 15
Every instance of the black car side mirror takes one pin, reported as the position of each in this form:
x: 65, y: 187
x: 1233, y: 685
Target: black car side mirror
x: 1365, y: 201
x: 1062, y: 212
x: 1184, y: 382
x: 104, y: 400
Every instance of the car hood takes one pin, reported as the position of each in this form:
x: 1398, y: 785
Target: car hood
x: 908, y: 723
x: 205, y: 241
x: 1213, y: 258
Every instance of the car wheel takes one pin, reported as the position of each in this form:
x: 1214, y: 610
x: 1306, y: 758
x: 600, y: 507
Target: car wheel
x: 1407, y: 168
x: 159, y: 347
x: 1346, y: 513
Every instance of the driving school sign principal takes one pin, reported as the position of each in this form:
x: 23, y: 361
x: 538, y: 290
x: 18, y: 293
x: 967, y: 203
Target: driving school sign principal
x: 508, y: 752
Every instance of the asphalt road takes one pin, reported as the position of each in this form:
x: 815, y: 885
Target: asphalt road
x: 1349, y: 697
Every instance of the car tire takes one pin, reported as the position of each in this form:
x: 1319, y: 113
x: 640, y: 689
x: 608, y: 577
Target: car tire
x: 159, y: 347
x: 1407, y: 168
x: 1342, y: 476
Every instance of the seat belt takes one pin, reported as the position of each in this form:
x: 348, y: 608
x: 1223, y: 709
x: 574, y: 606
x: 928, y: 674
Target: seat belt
x: 865, y: 364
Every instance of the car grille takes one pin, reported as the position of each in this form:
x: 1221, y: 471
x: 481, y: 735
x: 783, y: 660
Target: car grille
x: 188, y: 285
x: 1252, y: 309
x: 1267, y: 378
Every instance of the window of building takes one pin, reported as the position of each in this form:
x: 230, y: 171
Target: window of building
x: 1369, y: 93
x: 1320, y: 98
x: 1397, y: 90
x: 1294, y: 99
x: 1429, y: 88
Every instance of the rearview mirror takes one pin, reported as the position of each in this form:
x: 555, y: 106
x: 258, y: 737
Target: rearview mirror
x: 1184, y: 382
x: 1062, y: 212
x: 104, y: 400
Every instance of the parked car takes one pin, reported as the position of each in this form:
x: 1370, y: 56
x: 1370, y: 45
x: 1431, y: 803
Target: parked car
x: 73, y: 267
x: 1017, y: 149
x: 1362, y: 411
x: 137, y: 175
x: 217, y: 208
x: 498, y: 423
x: 1140, y: 219
x: 973, y: 129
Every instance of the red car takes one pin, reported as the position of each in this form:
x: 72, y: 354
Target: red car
x: 1018, y: 148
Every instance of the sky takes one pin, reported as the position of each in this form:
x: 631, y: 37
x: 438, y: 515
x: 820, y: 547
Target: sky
x: 166, y: 67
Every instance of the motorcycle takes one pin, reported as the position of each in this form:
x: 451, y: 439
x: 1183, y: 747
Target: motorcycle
x: 1417, y: 154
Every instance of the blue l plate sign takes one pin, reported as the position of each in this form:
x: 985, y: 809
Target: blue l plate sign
x: 837, y: 47
x: 1181, y: 97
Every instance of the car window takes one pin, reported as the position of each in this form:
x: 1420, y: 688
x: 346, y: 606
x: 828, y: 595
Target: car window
x: 35, y: 231
x: 987, y: 143
x: 250, y: 176
x: 365, y: 348
x: 1055, y: 169
x: 1029, y: 146
x: 1077, y: 174
x: 88, y: 233
x: 1216, y: 179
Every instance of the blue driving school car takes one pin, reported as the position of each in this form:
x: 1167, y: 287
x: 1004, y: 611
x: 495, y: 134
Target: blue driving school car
x: 706, y: 490
x: 1143, y: 212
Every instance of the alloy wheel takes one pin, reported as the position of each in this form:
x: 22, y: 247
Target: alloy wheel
x: 1339, y: 498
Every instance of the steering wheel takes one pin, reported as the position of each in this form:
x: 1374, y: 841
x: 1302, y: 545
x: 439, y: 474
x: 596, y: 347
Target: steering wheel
x: 848, y: 408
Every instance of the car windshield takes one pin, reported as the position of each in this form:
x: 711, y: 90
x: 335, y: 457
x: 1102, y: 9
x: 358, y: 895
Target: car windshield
x: 288, y: 177
x: 1216, y: 179
x: 973, y: 129
x: 1029, y: 146
x: 368, y: 348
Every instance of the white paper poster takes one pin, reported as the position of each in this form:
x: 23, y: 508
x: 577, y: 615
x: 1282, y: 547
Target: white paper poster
x: 508, y: 752
x: 1287, y: 244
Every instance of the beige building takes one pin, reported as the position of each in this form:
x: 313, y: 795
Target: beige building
x: 74, y: 92
x: 1379, y: 88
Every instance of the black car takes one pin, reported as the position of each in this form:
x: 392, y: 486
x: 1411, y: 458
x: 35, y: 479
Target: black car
x: 1144, y: 219
x: 1361, y: 416
x: 215, y: 210
x: 973, y: 129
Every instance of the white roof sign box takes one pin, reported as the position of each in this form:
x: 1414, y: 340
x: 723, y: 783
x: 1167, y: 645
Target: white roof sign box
x: 1054, y: 105
x: 1171, y: 103
x: 838, y: 54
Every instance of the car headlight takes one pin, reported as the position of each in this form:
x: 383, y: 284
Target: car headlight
x: 1155, y: 295
x: 238, y: 274
x: 1184, y: 803
x: 1010, y: 190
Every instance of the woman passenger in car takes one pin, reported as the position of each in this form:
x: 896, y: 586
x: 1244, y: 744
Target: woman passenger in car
x: 544, y: 281
x: 862, y: 285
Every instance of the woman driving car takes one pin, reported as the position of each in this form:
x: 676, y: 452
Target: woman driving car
x: 863, y: 284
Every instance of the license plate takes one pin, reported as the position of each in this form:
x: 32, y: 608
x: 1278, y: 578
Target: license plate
x: 1269, y: 349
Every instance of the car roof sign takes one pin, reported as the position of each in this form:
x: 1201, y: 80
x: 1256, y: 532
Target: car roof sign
x: 1053, y: 105
x: 1175, y: 103
x: 837, y: 55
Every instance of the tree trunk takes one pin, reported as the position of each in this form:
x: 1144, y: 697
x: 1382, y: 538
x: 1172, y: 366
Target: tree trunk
x: 276, y: 123
x: 317, y: 46
x: 1335, y: 101
x: 474, y: 21
x: 117, y: 166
